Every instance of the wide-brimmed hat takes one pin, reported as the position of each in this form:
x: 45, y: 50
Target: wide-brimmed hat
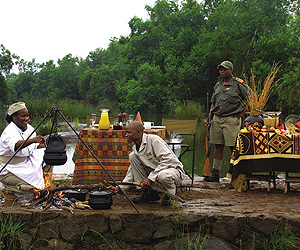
x: 226, y: 65
x: 15, y: 108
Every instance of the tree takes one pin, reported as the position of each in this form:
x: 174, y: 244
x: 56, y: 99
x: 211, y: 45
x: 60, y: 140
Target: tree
x: 6, y: 64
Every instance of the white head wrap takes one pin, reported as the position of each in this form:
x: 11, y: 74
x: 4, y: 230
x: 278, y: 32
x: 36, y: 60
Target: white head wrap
x: 15, y: 108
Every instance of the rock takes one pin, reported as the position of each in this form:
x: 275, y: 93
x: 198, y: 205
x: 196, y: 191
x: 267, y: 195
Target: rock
x: 73, y: 227
x: 265, y: 225
x: 56, y: 244
x: 115, y: 223
x: 97, y: 222
x: 164, y: 230
x: 49, y: 230
x: 226, y: 228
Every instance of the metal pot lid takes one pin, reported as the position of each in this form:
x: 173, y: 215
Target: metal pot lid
x: 100, y: 193
x: 72, y: 191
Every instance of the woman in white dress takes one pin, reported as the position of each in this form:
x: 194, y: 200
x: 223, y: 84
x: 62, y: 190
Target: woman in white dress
x: 25, y: 170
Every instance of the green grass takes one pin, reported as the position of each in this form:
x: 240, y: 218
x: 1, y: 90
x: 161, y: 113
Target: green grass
x: 282, y: 239
x: 184, y: 241
x: 10, y: 233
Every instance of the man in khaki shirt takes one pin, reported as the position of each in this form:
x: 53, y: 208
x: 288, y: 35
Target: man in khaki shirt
x: 151, y: 160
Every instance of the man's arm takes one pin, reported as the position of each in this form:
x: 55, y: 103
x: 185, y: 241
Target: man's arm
x: 166, y: 158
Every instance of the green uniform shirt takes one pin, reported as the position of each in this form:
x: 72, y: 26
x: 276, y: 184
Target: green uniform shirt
x: 229, y: 99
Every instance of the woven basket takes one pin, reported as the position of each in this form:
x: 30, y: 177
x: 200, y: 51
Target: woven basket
x: 271, y: 122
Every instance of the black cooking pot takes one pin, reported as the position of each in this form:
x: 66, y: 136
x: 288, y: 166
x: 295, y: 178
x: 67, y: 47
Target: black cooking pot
x: 100, y: 199
x: 75, y: 194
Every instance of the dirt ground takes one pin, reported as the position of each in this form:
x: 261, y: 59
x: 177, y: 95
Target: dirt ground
x: 217, y: 198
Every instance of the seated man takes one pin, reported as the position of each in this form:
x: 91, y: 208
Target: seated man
x: 24, y: 171
x: 151, y: 160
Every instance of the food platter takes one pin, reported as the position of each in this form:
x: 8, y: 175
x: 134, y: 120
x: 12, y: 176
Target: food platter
x: 291, y: 121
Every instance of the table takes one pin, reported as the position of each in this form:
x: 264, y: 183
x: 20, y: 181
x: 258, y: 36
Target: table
x: 175, y: 145
x: 263, y: 152
x: 112, y: 150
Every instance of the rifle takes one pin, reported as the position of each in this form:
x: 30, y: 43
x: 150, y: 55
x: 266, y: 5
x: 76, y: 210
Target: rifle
x: 207, y: 141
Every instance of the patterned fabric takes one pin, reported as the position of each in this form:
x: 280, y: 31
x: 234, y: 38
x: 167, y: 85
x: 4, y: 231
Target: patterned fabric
x: 263, y: 152
x: 112, y: 150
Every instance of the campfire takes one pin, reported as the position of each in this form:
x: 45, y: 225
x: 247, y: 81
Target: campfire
x: 58, y: 197
x: 54, y: 197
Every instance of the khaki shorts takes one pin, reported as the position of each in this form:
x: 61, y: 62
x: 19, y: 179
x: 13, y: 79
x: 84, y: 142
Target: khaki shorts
x: 13, y: 184
x: 224, y: 130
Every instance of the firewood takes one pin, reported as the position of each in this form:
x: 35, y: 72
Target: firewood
x: 45, y: 191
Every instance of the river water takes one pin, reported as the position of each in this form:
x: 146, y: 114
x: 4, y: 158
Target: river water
x: 66, y: 170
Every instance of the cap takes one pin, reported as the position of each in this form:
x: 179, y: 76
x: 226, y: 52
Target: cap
x: 15, y: 108
x: 226, y: 65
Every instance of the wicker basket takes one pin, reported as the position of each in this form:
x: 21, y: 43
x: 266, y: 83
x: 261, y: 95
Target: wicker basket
x: 271, y: 122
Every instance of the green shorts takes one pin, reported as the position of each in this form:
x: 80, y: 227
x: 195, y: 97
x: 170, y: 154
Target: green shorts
x: 224, y: 130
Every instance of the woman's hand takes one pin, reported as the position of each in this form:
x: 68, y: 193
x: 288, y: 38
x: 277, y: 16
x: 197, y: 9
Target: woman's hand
x: 39, y: 139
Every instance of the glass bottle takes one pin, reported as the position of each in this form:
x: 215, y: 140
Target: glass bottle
x: 104, y: 120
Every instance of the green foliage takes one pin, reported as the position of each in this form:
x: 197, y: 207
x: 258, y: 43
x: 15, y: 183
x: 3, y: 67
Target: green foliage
x: 71, y: 109
x: 10, y: 233
x: 45, y: 128
x: 282, y: 239
x: 172, y: 57
x: 6, y: 60
x: 6, y: 64
x: 290, y: 98
x: 188, y: 110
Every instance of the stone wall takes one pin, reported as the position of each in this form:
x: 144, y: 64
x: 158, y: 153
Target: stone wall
x: 106, y: 230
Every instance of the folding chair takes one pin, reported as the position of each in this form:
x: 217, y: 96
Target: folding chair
x: 185, y: 128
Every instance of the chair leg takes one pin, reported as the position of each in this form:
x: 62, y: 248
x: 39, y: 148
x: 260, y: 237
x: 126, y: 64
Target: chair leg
x: 286, y: 188
x: 246, y: 185
x: 274, y: 180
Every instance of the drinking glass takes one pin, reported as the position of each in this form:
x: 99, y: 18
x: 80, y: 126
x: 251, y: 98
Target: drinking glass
x: 93, y: 119
x: 91, y: 123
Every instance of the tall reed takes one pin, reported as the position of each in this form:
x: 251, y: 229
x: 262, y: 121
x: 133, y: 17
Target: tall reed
x: 259, y: 94
x: 189, y: 109
x: 70, y: 108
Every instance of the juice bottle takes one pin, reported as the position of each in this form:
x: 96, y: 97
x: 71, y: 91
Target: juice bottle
x: 104, y: 121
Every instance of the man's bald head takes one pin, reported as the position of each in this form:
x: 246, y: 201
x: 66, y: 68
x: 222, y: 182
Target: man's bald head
x: 134, y: 132
x: 135, y: 125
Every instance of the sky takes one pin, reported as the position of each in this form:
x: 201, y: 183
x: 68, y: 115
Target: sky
x: 49, y: 30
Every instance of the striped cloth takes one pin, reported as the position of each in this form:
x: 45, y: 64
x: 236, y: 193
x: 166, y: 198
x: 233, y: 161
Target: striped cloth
x: 112, y: 150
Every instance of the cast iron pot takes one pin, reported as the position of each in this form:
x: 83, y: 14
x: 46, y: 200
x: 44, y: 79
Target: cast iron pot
x: 75, y: 194
x: 100, y: 199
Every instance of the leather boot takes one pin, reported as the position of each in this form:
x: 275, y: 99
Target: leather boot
x: 148, y: 196
x: 214, y: 176
x: 166, y: 201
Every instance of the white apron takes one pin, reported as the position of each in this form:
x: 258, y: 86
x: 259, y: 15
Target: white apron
x: 28, y: 162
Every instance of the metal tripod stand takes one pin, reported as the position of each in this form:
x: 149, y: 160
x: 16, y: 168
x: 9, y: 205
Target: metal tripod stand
x: 58, y: 110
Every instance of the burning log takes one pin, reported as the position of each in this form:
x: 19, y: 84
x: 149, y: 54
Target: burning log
x: 53, y: 196
x: 46, y: 191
